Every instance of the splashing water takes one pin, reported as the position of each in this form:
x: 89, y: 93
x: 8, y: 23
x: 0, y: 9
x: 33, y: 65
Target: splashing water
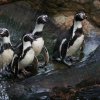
x: 3, y: 94
x: 91, y: 43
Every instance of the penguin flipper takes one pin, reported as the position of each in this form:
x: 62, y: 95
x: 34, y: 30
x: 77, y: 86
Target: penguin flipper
x: 81, y: 55
x: 34, y: 67
x: 64, y: 49
x: 1, y: 49
x: 14, y: 65
x: 35, y: 62
x: 46, y: 55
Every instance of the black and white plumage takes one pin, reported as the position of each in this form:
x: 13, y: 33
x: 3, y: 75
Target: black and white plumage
x: 69, y: 42
x: 37, y: 34
x: 26, y: 56
x: 6, y: 50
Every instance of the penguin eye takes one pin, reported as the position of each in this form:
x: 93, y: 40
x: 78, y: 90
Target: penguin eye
x: 25, y: 38
x: 7, y: 33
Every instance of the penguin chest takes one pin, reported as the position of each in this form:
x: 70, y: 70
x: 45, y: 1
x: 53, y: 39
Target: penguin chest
x: 27, y: 60
x: 6, y: 57
x: 76, y: 45
x: 37, y: 45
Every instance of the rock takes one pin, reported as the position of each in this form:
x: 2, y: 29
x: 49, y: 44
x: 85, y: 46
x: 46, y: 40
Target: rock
x: 96, y: 4
x: 59, y: 84
x: 63, y: 93
x: 82, y: 1
x: 17, y: 11
x: 96, y: 19
x: 89, y: 93
x: 16, y: 91
x: 60, y: 20
x: 39, y: 86
x: 59, y: 7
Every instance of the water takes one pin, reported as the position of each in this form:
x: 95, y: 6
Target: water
x: 3, y: 94
x: 91, y: 43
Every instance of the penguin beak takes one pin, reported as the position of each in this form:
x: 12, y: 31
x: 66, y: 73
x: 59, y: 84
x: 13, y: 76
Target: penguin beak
x: 31, y: 38
x: 1, y: 32
x: 46, y: 18
x: 85, y: 17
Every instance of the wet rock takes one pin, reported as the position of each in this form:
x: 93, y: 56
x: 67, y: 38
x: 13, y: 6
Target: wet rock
x: 88, y: 93
x: 3, y: 1
x: 96, y: 19
x: 16, y: 91
x: 97, y: 4
x: 55, y: 7
x: 91, y: 69
x: 82, y: 1
x: 20, y: 92
x: 16, y: 11
x: 63, y: 93
x: 60, y: 20
x: 55, y: 84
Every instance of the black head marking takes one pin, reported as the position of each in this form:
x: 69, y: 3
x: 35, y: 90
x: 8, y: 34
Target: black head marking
x: 37, y: 35
x: 80, y: 15
x: 42, y: 19
x: 4, y: 32
x: 27, y: 38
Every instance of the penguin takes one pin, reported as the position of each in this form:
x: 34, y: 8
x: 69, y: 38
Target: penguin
x: 25, y: 58
x: 70, y: 41
x: 37, y: 34
x: 6, y: 50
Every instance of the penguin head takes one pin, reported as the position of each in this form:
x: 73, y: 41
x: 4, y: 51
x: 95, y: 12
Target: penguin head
x: 80, y: 16
x: 4, y: 32
x: 42, y: 19
x: 27, y: 38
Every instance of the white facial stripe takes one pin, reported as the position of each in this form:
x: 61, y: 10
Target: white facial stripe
x: 38, y: 28
x: 43, y: 15
x: 77, y: 24
x: 6, y: 40
x: 44, y: 18
x: 26, y: 45
x: 82, y: 15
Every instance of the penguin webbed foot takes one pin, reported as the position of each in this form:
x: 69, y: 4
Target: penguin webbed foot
x: 8, y: 68
x: 46, y: 56
x: 43, y: 66
x: 56, y: 59
x: 70, y: 60
x: 66, y: 62
x: 20, y: 76
x: 26, y: 73
x: 23, y: 74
